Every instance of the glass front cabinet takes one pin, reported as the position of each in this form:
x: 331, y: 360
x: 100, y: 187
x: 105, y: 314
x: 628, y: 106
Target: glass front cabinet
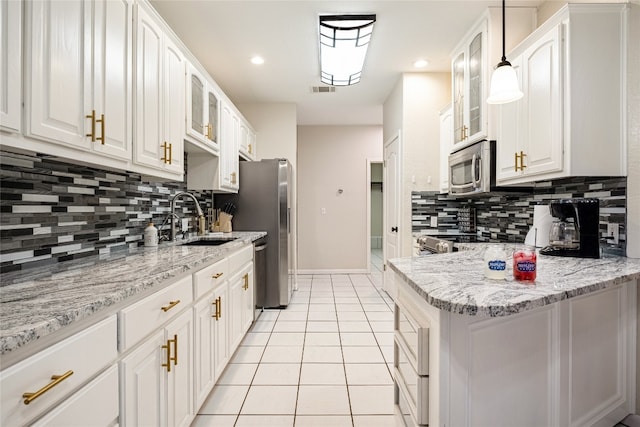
x: 203, y: 110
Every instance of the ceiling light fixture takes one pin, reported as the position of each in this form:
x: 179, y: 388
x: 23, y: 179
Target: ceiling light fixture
x: 421, y: 63
x: 257, y: 60
x: 504, y: 81
x: 343, y: 46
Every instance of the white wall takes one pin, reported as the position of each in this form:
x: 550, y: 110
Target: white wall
x: 413, y: 107
x: 332, y: 158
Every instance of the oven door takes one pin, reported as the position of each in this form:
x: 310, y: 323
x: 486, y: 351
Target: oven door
x: 466, y: 171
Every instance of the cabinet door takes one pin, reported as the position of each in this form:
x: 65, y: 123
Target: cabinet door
x: 252, y: 144
x: 59, y: 63
x: 541, y: 68
x: 196, y: 85
x: 446, y: 141
x: 112, y: 77
x: 459, y: 98
x: 213, y: 116
x: 236, y: 290
x: 96, y: 404
x: 476, y: 95
x: 145, y: 384
x: 243, y: 139
x: 220, y: 333
x: 174, y: 107
x: 180, y: 410
x: 511, y: 128
x: 228, y: 171
x: 248, y: 304
x: 10, y: 65
x: 148, y: 150
x: 204, y: 360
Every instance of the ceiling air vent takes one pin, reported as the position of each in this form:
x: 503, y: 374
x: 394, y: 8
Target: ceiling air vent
x: 323, y: 89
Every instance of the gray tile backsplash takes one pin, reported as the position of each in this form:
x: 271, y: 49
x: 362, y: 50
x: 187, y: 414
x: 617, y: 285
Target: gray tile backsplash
x: 53, y: 211
x: 509, y: 217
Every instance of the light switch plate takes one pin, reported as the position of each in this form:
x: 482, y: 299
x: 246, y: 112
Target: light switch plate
x: 613, y: 231
x: 185, y: 224
x: 434, y: 221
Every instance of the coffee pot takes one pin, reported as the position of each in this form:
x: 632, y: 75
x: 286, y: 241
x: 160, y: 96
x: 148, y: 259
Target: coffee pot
x: 574, y: 232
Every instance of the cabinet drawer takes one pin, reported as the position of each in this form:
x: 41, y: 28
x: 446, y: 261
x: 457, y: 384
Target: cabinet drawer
x: 96, y: 404
x: 415, y: 387
x: 402, y: 408
x: 240, y: 258
x: 69, y: 355
x: 414, y: 339
x: 210, y: 277
x: 147, y: 315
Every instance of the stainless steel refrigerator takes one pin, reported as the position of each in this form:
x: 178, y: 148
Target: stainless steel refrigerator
x: 263, y: 204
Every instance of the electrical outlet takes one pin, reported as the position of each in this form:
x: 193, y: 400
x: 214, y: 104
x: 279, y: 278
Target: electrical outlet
x: 613, y: 232
x: 185, y: 224
x: 434, y: 221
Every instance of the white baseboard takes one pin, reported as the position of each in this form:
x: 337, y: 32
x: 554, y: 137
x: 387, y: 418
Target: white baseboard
x: 343, y: 271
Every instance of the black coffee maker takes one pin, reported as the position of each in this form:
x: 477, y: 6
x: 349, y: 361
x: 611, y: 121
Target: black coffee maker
x: 575, y: 233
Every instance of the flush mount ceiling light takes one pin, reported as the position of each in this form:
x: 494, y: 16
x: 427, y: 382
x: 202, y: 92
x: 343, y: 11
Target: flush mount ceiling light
x: 504, y: 81
x: 343, y: 46
x: 257, y: 60
x: 421, y: 63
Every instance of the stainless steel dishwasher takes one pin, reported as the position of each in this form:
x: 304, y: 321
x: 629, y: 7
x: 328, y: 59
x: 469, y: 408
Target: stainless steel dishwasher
x: 259, y: 275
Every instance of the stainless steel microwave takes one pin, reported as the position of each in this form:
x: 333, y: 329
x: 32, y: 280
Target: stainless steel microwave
x: 470, y: 169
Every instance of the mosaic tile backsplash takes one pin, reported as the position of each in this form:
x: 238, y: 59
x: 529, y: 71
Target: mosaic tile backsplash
x: 509, y: 217
x: 51, y: 211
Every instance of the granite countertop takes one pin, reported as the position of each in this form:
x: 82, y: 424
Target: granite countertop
x: 36, y: 303
x: 455, y: 281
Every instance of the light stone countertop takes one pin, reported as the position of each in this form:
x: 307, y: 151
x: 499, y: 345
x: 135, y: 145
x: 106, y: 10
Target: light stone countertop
x: 39, y: 302
x: 455, y: 281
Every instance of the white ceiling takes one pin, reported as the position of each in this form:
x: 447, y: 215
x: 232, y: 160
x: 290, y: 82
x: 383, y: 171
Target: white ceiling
x: 224, y: 35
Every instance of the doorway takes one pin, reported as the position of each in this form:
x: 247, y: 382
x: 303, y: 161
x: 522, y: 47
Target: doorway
x: 375, y: 216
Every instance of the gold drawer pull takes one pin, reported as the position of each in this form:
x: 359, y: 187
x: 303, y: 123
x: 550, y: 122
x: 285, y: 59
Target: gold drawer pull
x: 171, y: 305
x: 102, y: 129
x: 175, y: 350
x: 217, y: 275
x: 55, y: 380
x: 246, y: 282
x: 92, y: 116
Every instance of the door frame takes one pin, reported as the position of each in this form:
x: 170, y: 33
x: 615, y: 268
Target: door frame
x: 398, y: 208
x: 368, y: 193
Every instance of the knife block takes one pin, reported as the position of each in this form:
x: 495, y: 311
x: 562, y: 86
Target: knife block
x: 223, y: 223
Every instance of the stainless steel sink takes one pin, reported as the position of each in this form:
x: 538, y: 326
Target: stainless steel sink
x: 209, y: 242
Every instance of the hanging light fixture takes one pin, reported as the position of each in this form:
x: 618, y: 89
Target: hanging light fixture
x: 504, y: 81
x: 343, y: 45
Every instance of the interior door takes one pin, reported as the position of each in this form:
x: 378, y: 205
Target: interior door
x: 391, y: 201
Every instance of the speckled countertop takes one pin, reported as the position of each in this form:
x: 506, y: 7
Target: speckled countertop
x: 455, y: 282
x: 39, y: 302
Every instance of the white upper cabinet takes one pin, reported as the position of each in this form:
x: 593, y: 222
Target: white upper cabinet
x: 471, y: 64
x: 203, y: 111
x: 569, y: 122
x: 247, y: 141
x: 160, y: 73
x: 79, y: 75
x: 10, y: 66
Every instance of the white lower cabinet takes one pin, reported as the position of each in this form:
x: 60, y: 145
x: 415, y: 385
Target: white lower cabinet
x: 37, y: 385
x: 565, y: 364
x: 96, y: 404
x: 158, y: 377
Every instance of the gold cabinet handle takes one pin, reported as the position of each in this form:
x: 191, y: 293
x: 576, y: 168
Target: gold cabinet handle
x: 246, y: 281
x: 175, y: 350
x: 522, y: 165
x: 92, y: 116
x: 217, y: 275
x: 519, y: 161
x: 167, y: 154
x: 219, y: 308
x: 167, y: 347
x: 102, y: 129
x: 233, y: 177
x: 215, y: 313
x: 171, y: 305
x: 55, y: 380
x: 250, y: 149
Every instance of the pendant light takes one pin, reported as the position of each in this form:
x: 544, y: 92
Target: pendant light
x: 504, y: 81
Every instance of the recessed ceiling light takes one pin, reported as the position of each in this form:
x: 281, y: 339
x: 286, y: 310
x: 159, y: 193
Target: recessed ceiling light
x: 257, y: 60
x: 421, y: 63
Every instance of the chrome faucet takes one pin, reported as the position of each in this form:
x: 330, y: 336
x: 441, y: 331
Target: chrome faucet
x: 201, y: 225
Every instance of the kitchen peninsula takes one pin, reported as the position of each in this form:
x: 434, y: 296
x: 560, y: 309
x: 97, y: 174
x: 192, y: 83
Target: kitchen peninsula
x: 476, y: 352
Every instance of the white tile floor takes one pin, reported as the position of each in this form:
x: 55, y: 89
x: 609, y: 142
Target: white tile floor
x: 324, y: 361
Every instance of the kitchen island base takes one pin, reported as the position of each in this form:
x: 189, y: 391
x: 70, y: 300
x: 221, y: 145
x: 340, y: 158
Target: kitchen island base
x: 570, y: 363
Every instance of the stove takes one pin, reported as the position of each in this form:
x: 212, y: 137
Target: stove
x: 443, y: 243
